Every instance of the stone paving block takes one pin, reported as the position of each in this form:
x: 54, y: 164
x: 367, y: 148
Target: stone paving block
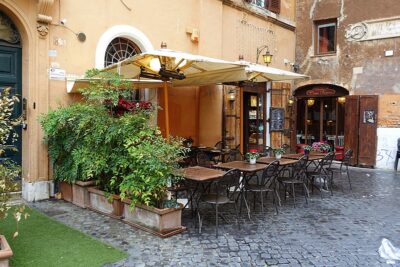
x: 343, y: 230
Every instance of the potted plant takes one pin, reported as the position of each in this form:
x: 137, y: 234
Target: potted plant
x: 321, y: 147
x: 252, y: 156
x: 278, y: 152
x: 307, y: 149
x: 144, y: 189
x: 8, y: 169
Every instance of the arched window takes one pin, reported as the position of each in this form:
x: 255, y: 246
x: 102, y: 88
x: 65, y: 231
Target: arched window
x: 119, y: 49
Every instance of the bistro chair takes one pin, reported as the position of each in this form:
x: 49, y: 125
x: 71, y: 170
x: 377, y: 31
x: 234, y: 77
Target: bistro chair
x: 203, y: 160
x: 343, y: 167
x: 286, y: 147
x: 322, y: 172
x: 234, y: 155
x: 220, y: 193
x: 264, y: 184
x: 267, y: 151
x: 298, y: 177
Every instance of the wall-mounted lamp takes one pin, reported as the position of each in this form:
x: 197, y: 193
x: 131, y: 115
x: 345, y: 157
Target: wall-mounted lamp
x: 310, y: 102
x: 267, y: 57
x: 290, y: 102
x: 341, y: 100
x: 232, y: 95
x: 194, y: 34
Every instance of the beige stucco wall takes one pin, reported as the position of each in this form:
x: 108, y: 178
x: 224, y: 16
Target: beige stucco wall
x: 224, y: 33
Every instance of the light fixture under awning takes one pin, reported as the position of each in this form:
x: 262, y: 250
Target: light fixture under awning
x: 73, y: 85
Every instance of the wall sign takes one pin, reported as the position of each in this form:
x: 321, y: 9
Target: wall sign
x: 320, y: 92
x: 277, y: 119
x: 373, y: 29
x: 369, y: 116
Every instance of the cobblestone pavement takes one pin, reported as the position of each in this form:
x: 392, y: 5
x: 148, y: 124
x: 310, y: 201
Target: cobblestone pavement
x: 343, y: 230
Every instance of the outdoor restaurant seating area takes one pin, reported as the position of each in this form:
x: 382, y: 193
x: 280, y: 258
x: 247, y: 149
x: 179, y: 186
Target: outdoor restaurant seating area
x: 220, y: 179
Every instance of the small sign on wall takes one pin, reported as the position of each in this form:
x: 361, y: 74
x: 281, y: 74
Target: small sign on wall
x: 369, y: 116
x: 57, y: 74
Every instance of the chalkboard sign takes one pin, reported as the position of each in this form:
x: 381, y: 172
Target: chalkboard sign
x: 277, y: 119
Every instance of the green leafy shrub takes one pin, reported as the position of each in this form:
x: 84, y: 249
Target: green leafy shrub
x: 8, y: 169
x: 121, y: 150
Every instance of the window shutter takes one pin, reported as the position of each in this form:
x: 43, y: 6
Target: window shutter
x: 274, y: 6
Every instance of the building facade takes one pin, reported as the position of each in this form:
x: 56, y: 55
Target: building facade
x: 350, y: 48
x: 60, y: 39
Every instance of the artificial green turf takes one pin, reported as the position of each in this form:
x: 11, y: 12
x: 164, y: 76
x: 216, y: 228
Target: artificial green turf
x: 43, y: 241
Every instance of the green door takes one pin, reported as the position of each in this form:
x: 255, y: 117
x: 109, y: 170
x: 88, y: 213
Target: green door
x: 10, y: 76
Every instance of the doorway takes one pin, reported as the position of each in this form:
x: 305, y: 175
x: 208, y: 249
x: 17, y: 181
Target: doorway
x: 320, y: 120
x: 10, y: 76
x: 254, y: 117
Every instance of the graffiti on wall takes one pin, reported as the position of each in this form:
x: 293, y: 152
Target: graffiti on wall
x: 387, y: 147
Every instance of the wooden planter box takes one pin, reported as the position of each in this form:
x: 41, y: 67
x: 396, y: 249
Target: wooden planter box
x: 160, y: 222
x: 110, y: 206
x: 5, y: 252
x: 66, y: 191
x: 80, y: 194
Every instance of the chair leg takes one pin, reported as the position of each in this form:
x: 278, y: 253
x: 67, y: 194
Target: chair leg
x: 237, y: 215
x: 254, y: 200
x: 262, y: 201
x: 331, y: 184
x: 305, y: 193
x: 200, y: 221
x: 274, y: 196
x: 216, y: 220
x: 348, y: 177
x: 294, y: 196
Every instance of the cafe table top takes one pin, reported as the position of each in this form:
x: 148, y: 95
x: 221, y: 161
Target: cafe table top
x: 242, y: 166
x: 282, y: 161
x: 299, y: 155
x: 201, y: 174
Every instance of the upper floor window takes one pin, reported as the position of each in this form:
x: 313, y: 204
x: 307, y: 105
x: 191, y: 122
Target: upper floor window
x: 271, y: 5
x: 120, y: 49
x: 326, y: 37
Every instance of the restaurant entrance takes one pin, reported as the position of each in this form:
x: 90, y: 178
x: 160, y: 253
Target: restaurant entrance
x: 254, y: 117
x: 320, y: 115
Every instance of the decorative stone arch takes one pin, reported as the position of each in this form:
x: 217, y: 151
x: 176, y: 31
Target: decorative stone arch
x: 126, y: 31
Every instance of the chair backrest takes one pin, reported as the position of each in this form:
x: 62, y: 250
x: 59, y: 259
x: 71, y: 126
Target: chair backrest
x: 347, y: 156
x: 325, y: 162
x: 300, y: 168
x: 286, y: 147
x: 234, y: 155
x: 203, y: 159
x: 267, y: 151
x: 218, y: 145
x: 222, y: 186
x: 270, y: 174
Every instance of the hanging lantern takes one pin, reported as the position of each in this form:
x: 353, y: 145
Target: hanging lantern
x: 310, y: 102
x: 341, y: 100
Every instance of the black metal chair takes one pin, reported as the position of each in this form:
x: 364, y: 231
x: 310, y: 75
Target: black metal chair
x: 343, y: 167
x: 202, y: 159
x: 322, y: 172
x: 286, y: 147
x: 264, y: 184
x: 234, y: 155
x: 220, y: 193
x: 267, y: 151
x: 298, y: 177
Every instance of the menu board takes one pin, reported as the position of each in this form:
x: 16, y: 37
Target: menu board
x: 277, y: 119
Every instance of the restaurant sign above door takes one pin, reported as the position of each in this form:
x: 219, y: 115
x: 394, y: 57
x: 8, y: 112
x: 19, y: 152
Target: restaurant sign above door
x: 321, y: 92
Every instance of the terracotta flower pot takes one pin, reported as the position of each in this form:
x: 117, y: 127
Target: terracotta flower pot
x: 80, y: 194
x: 66, y: 191
x: 99, y: 202
x: 5, y: 252
x: 161, y: 222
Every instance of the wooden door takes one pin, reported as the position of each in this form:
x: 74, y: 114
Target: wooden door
x: 351, y: 126
x: 367, y: 130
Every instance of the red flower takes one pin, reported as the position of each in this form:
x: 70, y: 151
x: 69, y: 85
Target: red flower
x: 253, y: 151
